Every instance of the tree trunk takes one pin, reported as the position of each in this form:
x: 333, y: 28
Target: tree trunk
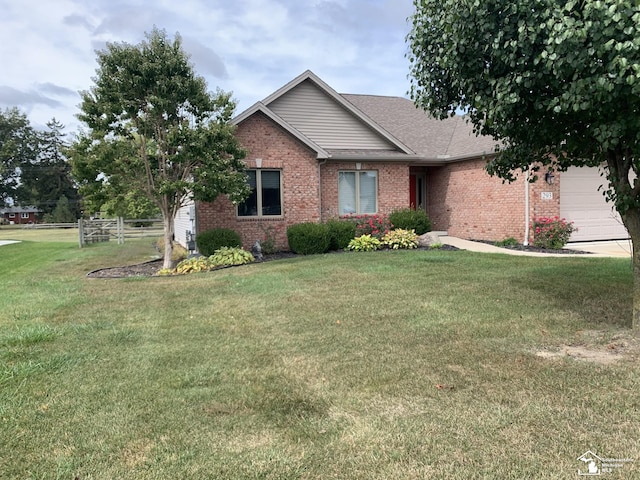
x: 167, y: 221
x: 623, y: 180
x: 631, y: 219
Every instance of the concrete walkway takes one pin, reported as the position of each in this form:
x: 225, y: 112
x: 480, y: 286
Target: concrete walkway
x: 615, y: 248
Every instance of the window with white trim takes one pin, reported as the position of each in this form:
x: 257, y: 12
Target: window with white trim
x: 357, y: 192
x: 12, y: 215
x: 265, y: 199
x: 24, y: 215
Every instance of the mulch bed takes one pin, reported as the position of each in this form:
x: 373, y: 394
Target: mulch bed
x: 149, y: 269
x: 531, y: 248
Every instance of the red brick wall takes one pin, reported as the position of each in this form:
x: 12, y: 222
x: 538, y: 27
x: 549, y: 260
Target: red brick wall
x: 461, y: 197
x: 264, y: 139
x: 464, y: 200
x: 541, y: 204
x: 393, y: 186
x: 300, y: 185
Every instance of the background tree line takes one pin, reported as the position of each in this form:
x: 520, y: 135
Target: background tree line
x: 35, y: 171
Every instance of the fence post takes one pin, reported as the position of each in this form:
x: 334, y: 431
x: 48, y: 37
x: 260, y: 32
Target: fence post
x: 81, y: 232
x: 120, y: 230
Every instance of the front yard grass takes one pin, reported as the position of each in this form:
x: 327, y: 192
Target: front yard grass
x: 398, y: 364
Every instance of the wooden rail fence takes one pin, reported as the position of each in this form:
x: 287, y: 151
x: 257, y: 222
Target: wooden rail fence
x: 103, y: 230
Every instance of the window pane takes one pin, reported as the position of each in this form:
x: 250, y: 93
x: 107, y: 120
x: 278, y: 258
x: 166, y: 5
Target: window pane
x: 271, y: 203
x: 346, y: 193
x: 250, y: 206
x: 368, y: 190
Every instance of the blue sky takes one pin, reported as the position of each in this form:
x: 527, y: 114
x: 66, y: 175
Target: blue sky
x: 248, y: 47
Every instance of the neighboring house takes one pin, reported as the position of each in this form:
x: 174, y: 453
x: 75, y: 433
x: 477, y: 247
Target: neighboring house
x: 315, y: 154
x: 19, y: 215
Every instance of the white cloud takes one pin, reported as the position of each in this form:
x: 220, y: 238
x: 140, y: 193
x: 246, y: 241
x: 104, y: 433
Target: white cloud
x: 250, y: 47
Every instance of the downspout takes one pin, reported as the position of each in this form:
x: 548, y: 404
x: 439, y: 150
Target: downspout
x: 320, y: 188
x: 526, y: 210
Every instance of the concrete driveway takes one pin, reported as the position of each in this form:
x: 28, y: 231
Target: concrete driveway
x: 610, y: 248
x: 617, y: 248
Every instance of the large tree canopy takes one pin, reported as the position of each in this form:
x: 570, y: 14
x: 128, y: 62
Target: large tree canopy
x: 556, y: 82
x: 45, y: 179
x: 18, y: 146
x: 155, y: 130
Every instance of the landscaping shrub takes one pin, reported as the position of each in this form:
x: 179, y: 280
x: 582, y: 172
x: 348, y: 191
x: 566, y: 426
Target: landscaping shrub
x: 507, y: 242
x: 268, y: 245
x: 226, y: 256
x: 551, y: 232
x: 192, y: 265
x: 400, y: 239
x: 341, y: 232
x: 308, y: 238
x: 375, y: 225
x: 211, y: 240
x: 364, y: 243
x: 409, y: 219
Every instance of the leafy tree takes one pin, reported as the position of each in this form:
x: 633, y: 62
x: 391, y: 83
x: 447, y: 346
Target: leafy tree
x: 131, y: 204
x: 17, y: 147
x: 47, y: 176
x: 62, y: 213
x: 556, y: 82
x: 155, y: 130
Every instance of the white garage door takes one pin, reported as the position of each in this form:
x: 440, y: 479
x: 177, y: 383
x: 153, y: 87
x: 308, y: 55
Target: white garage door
x: 583, y: 204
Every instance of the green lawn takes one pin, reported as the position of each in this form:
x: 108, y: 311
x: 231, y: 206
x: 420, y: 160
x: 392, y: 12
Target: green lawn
x: 385, y: 365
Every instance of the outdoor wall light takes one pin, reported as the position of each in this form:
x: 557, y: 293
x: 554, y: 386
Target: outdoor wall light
x: 549, y: 177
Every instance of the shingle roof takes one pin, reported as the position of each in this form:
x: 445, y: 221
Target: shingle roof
x: 18, y: 209
x: 428, y: 137
x: 416, y: 135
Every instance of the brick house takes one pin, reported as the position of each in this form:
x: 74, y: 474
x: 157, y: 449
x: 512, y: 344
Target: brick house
x: 315, y: 154
x: 19, y: 215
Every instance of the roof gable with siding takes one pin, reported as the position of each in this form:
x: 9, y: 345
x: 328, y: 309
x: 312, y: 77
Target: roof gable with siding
x: 319, y: 117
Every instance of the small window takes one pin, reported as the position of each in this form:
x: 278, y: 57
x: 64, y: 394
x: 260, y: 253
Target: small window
x: 265, y: 199
x: 12, y: 215
x: 357, y: 192
x: 24, y: 215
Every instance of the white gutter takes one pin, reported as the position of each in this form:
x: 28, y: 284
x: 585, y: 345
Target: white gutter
x: 526, y: 210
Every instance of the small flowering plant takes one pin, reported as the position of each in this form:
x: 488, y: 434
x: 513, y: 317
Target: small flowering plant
x: 377, y: 225
x: 401, y: 239
x: 364, y: 243
x: 551, y: 232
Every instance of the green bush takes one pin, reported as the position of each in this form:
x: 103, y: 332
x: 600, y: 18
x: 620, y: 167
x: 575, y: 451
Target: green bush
x: 551, y: 232
x: 400, y: 239
x: 375, y: 225
x: 409, y: 219
x: 341, y: 232
x: 364, y: 243
x: 308, y: 238
x: 226, y: 256
x: 211, y: 240
x: 507, y: 242
x: 192, y: 265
